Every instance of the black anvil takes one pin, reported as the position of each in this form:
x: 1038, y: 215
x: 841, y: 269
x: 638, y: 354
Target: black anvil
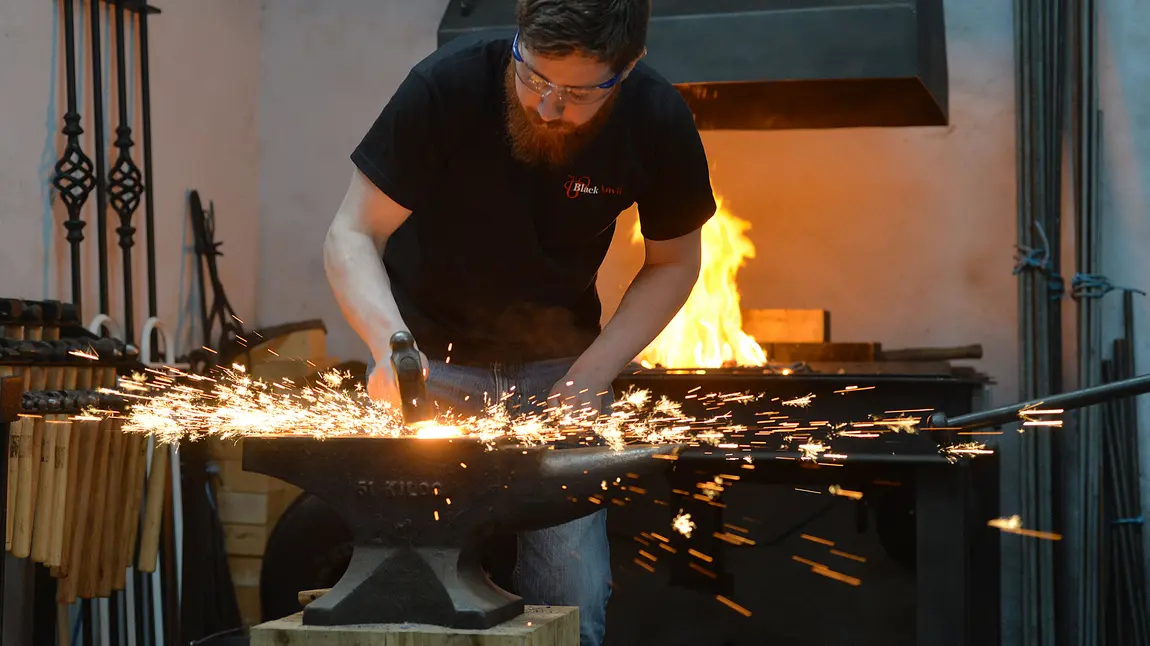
x: 418, y: 510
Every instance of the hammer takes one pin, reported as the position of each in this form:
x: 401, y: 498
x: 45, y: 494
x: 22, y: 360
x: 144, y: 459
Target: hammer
x: 408, y: 369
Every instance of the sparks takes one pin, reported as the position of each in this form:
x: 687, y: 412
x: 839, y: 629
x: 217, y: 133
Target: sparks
x: 682, y: 524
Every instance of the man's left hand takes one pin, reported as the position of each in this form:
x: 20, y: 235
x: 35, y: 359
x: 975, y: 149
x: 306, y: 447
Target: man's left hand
x: 579, y: 396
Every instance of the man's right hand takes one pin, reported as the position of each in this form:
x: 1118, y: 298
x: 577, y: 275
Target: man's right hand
x: 382, y: 385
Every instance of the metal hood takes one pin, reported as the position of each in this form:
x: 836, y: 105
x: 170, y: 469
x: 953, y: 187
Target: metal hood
x: 781, y: 64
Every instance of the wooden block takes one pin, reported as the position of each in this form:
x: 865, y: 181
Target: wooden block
x: 294, y: 369
x: 245, y: 540
x: 787, y: 326
x: 236, y: 479
x: 248, y: 599
x: 245, y: 571
x: 304, y: 344
x: 229, y: 449
x: 537, y: 626
x: 243, y: 508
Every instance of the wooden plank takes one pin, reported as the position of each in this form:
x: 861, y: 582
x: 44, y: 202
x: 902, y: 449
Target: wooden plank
x: 245, y: 539
x: 243, y: 508
x: 787, y: 326
x: 248, y: 599
x: 846, y: 352
x: 537, y: 626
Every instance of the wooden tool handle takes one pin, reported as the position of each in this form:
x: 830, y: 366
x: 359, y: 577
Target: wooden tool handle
x: 89, y: 566
x: 15, y: 436
x: 113, y: 511
x: 87, y: 438
x: 25, y: 496
x: 933, y: 354
x: 45, y: 492
x: 135, y: 492
x: 154, y: 509
x: 307, y: 596
x: 62, y: 489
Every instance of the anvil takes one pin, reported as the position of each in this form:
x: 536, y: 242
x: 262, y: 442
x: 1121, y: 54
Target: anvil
x: 418, y: 510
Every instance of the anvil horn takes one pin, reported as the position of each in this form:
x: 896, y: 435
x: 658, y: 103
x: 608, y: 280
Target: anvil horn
x: 573, y: 483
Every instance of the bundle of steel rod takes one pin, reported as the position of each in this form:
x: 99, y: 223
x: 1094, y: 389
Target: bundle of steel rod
x: 1128, y: 619
x: 1083, y: 445
x: 81, y: 498
x: 1039, y: 58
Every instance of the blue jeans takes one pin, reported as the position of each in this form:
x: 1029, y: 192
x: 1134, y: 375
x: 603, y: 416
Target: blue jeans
x: 565, y: 565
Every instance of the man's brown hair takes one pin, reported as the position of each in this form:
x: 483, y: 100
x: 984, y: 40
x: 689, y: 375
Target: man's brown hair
x: 611, y: 31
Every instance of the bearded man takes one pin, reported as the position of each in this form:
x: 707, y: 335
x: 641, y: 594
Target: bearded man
x: 482, y: 204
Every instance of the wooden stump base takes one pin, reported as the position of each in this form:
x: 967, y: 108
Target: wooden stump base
x: 537, y: 626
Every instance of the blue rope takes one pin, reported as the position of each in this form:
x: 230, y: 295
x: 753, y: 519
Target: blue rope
x: 1137, y: 520
x: 1038, y: 259
x: 1096, y: 286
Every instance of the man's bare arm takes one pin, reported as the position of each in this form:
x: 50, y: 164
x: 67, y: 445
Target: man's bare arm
x: 659, y: 290
x: 352, y: 258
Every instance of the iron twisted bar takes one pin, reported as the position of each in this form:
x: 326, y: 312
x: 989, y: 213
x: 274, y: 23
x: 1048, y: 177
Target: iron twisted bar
x: 124, y: 180
x: 74, y: 179
x: 99, y: 142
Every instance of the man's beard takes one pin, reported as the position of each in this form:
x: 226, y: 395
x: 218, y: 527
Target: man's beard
x: 538, y: 142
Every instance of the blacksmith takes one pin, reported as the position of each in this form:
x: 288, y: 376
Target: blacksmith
x: 482, y: 203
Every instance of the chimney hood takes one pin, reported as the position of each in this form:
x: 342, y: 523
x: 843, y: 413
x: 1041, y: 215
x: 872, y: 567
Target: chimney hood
x: 781, y: 64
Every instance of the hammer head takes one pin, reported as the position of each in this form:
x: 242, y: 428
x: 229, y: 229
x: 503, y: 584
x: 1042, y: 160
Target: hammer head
x: 405, y: 361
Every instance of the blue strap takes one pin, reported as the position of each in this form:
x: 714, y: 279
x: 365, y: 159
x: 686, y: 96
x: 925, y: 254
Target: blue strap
x: 1096, y: 286
x: 1038, y: 259
x: 1137, y: 520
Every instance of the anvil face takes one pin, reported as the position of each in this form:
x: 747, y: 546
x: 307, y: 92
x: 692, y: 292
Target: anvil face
x: 418, y: 508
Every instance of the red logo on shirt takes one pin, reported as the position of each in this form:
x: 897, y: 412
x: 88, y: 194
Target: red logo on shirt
x: 576, y: 186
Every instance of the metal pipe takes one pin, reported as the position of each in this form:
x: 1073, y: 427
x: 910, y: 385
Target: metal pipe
x: 1068, y: 400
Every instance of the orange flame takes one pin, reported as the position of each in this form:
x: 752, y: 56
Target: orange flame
x: 708, y: 331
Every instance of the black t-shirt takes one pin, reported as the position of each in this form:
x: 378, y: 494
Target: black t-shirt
x: 498, y: 258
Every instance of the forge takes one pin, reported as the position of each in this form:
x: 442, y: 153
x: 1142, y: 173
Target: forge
x: 418, y: 510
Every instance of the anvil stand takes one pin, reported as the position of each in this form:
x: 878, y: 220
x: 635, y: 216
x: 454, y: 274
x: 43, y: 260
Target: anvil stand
x: 418, y: 510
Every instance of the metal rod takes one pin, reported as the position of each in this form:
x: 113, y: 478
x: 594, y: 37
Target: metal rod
x: 73, y: 179
x: 1068, y: 400
x: 149, y: 208
x: 124, y: 181
x: 101, y: 152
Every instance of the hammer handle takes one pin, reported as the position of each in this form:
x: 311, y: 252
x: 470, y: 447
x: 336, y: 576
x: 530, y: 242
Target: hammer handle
x: 74, y: 570
x: 90, y: 571
x: 45, y: 492
x: 154, y: 509
x: 61, y: 488
x: 15, y: 438
x: 26, y: 487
